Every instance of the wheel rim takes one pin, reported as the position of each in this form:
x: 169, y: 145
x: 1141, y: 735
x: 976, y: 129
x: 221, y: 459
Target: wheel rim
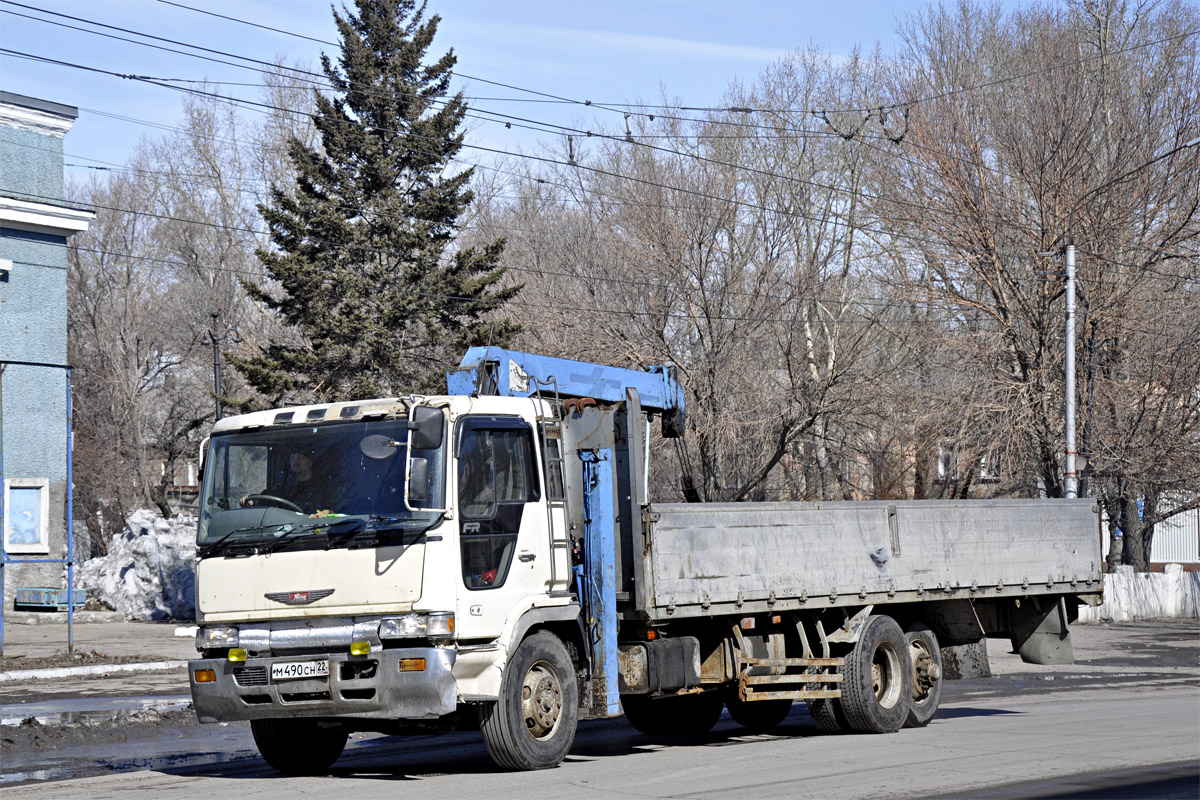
x: 925, y: 671
x: 541, y: 701
x: 885, y: 675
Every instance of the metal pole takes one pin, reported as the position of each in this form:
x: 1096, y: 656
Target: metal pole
x: 1071, y: 480
x: 70, y: 525
x: 216, y: 343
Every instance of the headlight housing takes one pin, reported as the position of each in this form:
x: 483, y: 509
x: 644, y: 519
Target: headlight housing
x: 436, y: 625
x: 217, y: 637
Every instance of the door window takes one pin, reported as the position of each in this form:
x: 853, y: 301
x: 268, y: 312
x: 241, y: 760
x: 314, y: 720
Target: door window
x: 496, y: 478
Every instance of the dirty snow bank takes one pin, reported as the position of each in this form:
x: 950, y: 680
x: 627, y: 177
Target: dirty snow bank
x: 150, y: 569
x: 1130, y: 596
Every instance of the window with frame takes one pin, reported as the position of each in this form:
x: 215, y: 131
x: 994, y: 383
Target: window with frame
x: 497, y: 476
x: 27, y: 516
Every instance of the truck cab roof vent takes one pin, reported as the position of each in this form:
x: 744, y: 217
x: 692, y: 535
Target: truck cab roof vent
x: 348, y: 411
x: 283, y: 418
x: 315, y: 413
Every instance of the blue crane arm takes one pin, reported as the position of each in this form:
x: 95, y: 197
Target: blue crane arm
x: 491, y: 370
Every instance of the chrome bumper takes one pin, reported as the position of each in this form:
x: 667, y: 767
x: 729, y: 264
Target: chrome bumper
x: 244, y: 690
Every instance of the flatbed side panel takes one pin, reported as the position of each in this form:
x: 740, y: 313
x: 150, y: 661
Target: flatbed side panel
x: 740, y: 555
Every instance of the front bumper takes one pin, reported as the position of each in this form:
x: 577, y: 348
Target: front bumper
x: 244, y: 690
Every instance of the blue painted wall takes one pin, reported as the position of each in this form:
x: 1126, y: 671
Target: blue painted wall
x: 31, y: 164
x: 33, y: 327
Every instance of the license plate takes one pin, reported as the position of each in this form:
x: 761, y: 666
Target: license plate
x: 300, y: 669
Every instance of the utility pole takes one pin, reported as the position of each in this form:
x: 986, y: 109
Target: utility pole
x: 1071, y: 479
x: 230, y: 334
x: 216, y: 345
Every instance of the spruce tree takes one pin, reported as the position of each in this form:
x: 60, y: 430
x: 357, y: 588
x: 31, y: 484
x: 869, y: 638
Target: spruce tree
x: 364, y: 242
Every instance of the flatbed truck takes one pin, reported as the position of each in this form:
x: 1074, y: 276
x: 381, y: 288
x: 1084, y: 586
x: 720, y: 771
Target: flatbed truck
x: 489, y: 559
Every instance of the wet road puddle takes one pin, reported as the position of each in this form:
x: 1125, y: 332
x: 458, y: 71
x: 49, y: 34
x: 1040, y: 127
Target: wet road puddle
x: 89, y: 710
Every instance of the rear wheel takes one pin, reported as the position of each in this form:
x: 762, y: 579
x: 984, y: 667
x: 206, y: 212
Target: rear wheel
x: 299, y: 746
x: 679, y: 715
x: 878, y: 678
x: 828, y: 715
x: 758, y: 715
x: 532, y: 724
x: 926, y: 658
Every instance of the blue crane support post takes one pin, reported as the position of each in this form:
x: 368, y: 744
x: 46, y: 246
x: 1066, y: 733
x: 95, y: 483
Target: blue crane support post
x: 493, y: 371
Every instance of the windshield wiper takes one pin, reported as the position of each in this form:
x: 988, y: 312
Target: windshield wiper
x: 287, y: 535
x: 212, y: 549
x: 379, y: 525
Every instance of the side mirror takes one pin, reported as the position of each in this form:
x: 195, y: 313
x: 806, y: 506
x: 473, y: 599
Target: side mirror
x: 378, y: 447
x: 418, y: 480
x: 428, y: 428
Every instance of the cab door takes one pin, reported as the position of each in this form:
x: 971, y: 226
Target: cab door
x: 502, y: 522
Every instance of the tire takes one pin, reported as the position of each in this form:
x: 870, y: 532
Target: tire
x: 878, y: 678
x: 757, y: 715
x: 532, y: 724
x: 828, y: 715
x: 926, y: 658
x: 680, y: 715
x: 299, y: 746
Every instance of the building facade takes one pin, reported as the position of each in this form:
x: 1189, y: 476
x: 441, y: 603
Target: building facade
x: 35, y: 224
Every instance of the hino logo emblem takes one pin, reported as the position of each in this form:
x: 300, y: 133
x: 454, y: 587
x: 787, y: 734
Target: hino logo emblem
x: 299, y: 598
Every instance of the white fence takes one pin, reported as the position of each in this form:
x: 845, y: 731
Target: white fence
x: 1176, y: 540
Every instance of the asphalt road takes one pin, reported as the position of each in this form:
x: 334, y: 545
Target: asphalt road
x: 1123, y: 722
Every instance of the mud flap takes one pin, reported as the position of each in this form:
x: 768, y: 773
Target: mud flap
x: 962, y: 661
x: 1039, y: 631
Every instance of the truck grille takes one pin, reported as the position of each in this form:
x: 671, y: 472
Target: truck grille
x: 250, y: 676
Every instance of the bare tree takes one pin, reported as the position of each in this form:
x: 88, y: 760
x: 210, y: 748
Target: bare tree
x: 1038, y: 127
x: 175, y: 234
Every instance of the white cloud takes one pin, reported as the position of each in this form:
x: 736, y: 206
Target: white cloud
x: 634, y: 42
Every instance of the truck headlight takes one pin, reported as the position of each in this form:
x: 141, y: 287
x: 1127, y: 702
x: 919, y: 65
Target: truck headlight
x: 439, y: 623
x: 408, y: 627
x: 217, y: 637
x: 436, y: 625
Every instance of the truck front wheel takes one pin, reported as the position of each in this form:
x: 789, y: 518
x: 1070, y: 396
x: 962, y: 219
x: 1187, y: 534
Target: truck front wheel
x: 299, y: 746
x: 532, y: 724
x: 878, y: 678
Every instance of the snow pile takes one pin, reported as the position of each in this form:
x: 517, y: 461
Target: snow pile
x: 1130, y: 596
x: 150, y: 569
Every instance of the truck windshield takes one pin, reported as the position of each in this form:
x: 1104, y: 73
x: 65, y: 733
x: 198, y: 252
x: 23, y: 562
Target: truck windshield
x: 305, y: 485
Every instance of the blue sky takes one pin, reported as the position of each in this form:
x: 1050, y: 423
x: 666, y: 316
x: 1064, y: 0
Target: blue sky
x: 600, y: 50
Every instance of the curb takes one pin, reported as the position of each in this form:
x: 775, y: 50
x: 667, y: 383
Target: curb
x: 90, y: 670
x: 60, y: 617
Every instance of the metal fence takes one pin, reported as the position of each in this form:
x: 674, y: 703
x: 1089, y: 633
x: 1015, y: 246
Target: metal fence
x: 1176, y: 539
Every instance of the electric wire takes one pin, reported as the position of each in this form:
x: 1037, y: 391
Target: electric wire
x: 509, y: 120
x: 618, y: 107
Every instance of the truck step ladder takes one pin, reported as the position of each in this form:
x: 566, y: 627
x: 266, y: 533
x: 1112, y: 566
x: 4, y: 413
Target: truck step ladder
x: 817, y: 679
x: 552, y: 463
x: 805, y: 678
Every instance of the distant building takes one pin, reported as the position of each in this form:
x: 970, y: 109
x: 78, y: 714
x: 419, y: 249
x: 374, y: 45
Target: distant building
x: 35, y: 224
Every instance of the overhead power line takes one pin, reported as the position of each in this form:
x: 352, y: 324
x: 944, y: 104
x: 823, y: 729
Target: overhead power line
x: 844, y: 305
x: 492, y: 116
x: 266, y: 107
x: 621, y: 107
